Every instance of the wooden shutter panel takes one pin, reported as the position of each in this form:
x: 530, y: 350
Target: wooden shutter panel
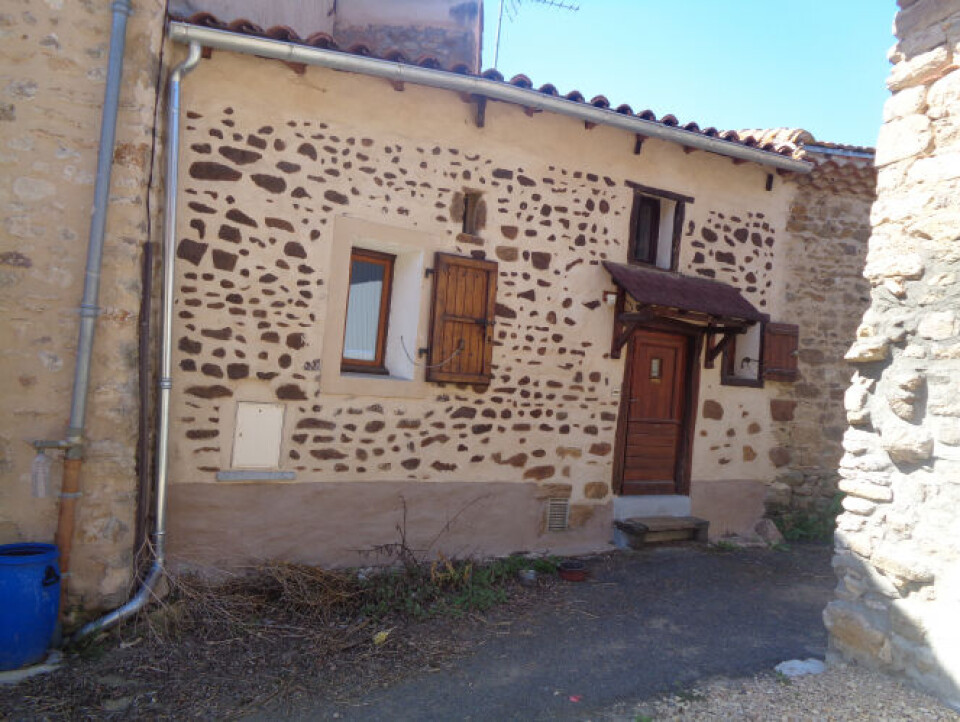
x: 461, y: 324
x: 780, y: 344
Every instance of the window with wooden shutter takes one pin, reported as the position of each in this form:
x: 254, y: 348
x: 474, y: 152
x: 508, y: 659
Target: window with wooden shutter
x: 461, y: 326
x: 780, y: 344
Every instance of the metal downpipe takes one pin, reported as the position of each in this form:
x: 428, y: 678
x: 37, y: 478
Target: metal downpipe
x: 89, y: 310
x: 146, y: 589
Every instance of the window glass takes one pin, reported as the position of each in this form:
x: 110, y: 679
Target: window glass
x: 368, y: 300
x: 647, y: 229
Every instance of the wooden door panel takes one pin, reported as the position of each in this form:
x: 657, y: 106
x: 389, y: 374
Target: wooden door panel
x: 632, y: 487
x: 655, y: 405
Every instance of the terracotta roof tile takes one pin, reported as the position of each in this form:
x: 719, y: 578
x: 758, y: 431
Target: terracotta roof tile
x: 317, y: 40
x: 783, y: 141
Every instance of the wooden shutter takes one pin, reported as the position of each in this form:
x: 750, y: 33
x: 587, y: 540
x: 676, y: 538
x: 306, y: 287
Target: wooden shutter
x: 780, y: 344
x: 461, y: 325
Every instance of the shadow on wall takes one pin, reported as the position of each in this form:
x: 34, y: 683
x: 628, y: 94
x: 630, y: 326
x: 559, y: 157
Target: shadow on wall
x: 887, y: 616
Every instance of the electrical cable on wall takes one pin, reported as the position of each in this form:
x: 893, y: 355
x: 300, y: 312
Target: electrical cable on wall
x: 451, y: 357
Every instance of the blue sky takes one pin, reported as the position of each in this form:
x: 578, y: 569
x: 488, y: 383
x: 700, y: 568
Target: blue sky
x: 815, y: 64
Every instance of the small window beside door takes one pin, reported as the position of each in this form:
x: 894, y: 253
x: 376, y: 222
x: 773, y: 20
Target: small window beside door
x: 766, y: 352
x: 368, y: 312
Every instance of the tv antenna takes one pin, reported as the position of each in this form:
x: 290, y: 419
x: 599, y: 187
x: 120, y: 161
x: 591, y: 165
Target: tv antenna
x: 512, y: 8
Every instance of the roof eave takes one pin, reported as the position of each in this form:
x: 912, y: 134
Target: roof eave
x: 473, y: 85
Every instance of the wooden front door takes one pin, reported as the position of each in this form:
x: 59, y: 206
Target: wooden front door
x: 653, y: 436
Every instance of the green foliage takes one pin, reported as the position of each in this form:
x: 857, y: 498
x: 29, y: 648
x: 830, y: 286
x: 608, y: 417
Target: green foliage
x: 724, y: 546
x: 814, y: 525
x: 446, y: 587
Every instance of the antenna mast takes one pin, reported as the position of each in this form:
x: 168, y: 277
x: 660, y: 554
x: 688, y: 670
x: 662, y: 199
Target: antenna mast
x: 512, y: 11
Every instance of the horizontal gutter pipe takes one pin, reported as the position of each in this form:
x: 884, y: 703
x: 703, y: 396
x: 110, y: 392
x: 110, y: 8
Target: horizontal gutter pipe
x: 471, y: 85
x: 146, y: 590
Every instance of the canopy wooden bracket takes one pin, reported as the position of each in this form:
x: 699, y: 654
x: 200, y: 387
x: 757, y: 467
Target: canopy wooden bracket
x: 618, y: 341
x: 638, y: 143
x: 626, y: 324
x: 716, y: 346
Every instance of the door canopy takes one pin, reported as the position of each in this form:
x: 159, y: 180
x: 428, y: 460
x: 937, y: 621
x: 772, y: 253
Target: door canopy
x: 682, y: 302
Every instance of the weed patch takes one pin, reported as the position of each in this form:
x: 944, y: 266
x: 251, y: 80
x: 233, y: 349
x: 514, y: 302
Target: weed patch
x: 814, y: 525
x: 445, y: 587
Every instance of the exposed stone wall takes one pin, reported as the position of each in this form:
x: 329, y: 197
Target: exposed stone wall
x: 254, y: 306
x: 269, y: 181
x: 898, y: 541
x: 53, y: 58
x: 828, y: 228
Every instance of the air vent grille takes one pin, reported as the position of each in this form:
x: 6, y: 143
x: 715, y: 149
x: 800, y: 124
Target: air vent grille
x: 558, y: 514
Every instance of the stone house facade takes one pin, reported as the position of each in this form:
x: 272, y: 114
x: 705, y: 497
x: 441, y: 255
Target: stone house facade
x: 898, y: 540
x: 500, y: 425
x: 278, y: 197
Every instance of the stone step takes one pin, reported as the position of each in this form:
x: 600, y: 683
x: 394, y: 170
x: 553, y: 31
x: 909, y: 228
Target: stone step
x: 642, y: 530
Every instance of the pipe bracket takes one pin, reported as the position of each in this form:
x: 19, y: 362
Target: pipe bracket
x: 89, y: 311
x: 41, y: 444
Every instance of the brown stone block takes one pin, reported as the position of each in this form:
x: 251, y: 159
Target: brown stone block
x: 580, y: 514
x: 779, y: 455
x: 596, y: 490
x: 712, y: 410
x: 554, y: 491
x: 539, y: 473
x: 782, y: 409
x: 600, y: 449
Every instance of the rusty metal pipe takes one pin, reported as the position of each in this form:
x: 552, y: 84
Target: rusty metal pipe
x: 89, y: 308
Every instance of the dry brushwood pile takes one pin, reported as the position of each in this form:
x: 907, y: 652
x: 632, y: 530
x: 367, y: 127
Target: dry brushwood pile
x: 266, y: 640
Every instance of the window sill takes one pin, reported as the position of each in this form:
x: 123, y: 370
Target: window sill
x: 735, y: 381
x: 359, y: 370
x: 255, y: 475
x: 347, y: 383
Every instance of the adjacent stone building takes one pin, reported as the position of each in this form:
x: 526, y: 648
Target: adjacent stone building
x: 898, y: 540
x: 53, y: 58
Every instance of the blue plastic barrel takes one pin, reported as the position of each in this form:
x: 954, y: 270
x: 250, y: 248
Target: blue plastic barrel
x: 29, y: 602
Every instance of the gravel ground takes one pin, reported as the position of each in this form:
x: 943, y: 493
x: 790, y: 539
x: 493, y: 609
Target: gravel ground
x: 842, y: 693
